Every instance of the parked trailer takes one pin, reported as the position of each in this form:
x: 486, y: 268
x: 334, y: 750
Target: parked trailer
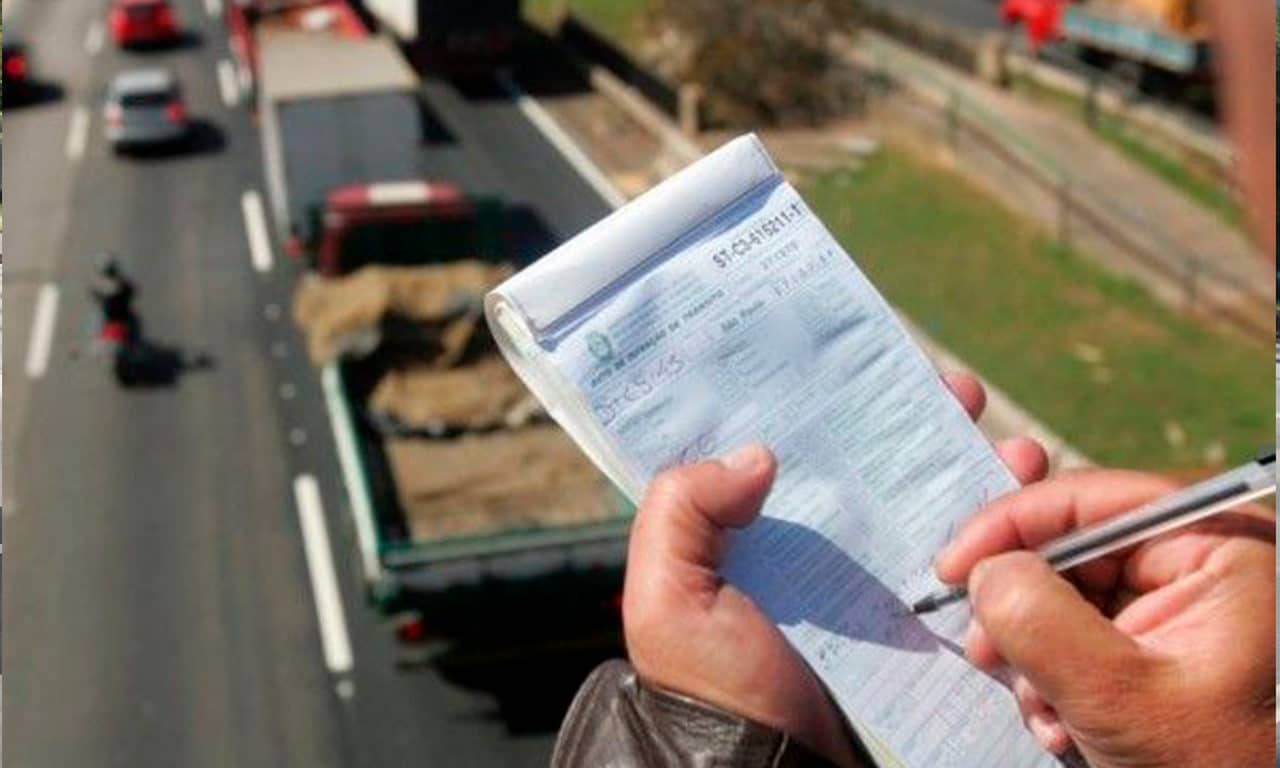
x: 453, y: 35
x: 1165, y: 36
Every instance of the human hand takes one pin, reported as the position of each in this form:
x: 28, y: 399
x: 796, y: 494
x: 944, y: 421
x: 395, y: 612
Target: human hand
x: 1161, y: 655
x: 690, y: 632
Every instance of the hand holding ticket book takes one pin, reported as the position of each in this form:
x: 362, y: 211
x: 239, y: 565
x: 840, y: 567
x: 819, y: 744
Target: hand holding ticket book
x: 717, y: 310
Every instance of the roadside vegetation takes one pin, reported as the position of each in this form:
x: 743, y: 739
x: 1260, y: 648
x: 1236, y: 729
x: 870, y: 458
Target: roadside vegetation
x: 619, y: 20
x: 1098, y: 360
x: 1093, y: 356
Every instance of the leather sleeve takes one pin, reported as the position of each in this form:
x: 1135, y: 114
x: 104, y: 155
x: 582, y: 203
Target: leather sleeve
x: 618, y: 721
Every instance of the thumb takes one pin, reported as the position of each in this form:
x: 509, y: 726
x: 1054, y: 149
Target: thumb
x: 686, y: 510
x: 1072, y: 654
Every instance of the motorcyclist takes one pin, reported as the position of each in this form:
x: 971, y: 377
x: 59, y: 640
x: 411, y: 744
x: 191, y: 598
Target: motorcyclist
x: 114, y: 292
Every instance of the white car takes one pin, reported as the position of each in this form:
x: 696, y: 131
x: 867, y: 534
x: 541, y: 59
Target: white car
x: 144, y: 108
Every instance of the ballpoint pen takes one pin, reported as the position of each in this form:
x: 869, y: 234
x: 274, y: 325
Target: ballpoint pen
x: 1180, y: 508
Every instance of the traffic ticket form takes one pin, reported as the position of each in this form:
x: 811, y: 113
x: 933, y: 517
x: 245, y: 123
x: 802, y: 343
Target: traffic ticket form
x: 717, y: 310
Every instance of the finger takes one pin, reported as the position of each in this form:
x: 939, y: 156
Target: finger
x: 1025, y: 458
x: 1040, y: 718
x: 968, y: 390
x: 1164, y: 560
x: 1051, y: 733
x: 1044, y: 511
x: 681, y: 522
x: 1030, y: 702
x: 1046, y: 631
x: 979, y: 649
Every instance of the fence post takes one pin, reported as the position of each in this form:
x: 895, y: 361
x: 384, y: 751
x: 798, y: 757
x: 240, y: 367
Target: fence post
x: 690, y: 106
x: 1064, y: 211
x: 1192, y: 286
x: 1091, y: 100
x: 953, y: 120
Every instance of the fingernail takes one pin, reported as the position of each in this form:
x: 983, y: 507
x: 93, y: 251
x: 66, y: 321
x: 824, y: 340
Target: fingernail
x: 745, y: 458
x: 943, y: 554
x: 970, y: 636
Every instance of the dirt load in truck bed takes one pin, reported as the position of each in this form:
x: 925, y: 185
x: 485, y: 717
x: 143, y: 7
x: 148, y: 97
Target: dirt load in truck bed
x: 502, y: 465
x: 499, y: 481
x: 337, y: 313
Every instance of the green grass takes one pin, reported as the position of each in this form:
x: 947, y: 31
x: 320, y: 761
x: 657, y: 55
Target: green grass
x: 1197, y: 185
x: 617, y: 19
x: 1089, y: 354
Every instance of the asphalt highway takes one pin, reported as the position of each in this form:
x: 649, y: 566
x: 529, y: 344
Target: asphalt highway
x: 159, y: 607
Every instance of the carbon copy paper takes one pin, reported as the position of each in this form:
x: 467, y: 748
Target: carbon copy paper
x: 716, y: 310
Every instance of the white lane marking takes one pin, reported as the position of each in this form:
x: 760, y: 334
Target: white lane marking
x: 255, y: 226
x: 93, y: 38
x: 77, y: 133
x: 550, y: 129
x: 213, y: 8
x: 42, y: 325
x: 324, y: 580
x: 227, y: 84
x: 352, y: 475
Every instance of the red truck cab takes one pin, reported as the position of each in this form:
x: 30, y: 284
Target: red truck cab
x: 400, y: 222
x: 245, y: 17
x: 1042, y: 19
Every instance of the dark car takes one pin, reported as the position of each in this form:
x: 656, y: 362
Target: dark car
x: 17, y: 71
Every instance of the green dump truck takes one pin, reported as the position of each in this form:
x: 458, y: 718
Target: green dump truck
x: 479, y: 524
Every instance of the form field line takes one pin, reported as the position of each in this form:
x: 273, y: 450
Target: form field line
x: 551, y: 130
x: 42, y: 325
x: 334, y: 639
x: 227, y: 85
x: 77, y: 133
x: 255, y: 226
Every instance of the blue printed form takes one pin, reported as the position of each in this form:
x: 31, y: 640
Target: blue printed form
x: 718, y: 310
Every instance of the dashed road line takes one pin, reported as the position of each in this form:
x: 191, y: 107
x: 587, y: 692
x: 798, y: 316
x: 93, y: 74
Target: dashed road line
x: 77, y: 133
x: 227, y: 85
x: 42, y: 325
x: 94, y: 37
x: 334, y: 639
x: 255, y: 226
x: 213, y: 8
x: 550, y: 129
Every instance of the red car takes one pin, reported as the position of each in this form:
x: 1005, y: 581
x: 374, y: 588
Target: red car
x: 142, y: 22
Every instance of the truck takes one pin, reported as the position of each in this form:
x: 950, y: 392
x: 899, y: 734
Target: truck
x: 481, y: 528
x: 455, y: 36
x: 1160, y: 40
x: 342, y: 134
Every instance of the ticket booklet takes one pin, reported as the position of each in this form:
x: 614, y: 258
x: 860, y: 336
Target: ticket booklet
x: 717, y: 310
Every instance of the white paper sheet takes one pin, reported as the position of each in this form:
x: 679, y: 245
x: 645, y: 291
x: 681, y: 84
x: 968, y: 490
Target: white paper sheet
x: 756, y: 325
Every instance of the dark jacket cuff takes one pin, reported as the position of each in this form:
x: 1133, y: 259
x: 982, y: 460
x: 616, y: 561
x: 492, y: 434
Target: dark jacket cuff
x: 616, y: 720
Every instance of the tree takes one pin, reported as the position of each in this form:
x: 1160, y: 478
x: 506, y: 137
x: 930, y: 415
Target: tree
x: 759, y: 61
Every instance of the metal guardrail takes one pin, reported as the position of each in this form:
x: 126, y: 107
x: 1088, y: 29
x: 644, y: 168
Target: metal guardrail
x: 1203, y: 284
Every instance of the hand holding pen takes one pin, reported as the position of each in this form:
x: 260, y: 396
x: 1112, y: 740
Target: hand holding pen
x: 1151, y: 654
